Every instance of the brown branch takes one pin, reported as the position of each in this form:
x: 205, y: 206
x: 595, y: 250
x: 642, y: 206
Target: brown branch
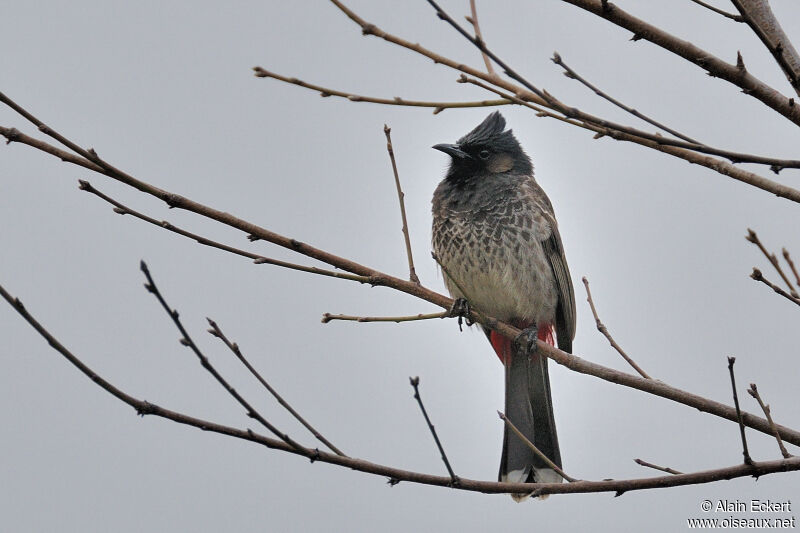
x: 656, y: 467
x: 758, y: 276
x: 753, y: 390
x: 412, y: 274
x: 775, y: 164
x: 258, y: 259
x: 713, y: 65
x: 186, y: 340
x: 327, y: 317
x: 737, y: 18
x: 473, y: 19
x: 326, y: 92
x: 378, y: 278
x: 146, y: 408
x: 604, y: 330
x: 761, y: 19
x: 453, y: 477
x: 234, y: 347
x: 747, y: 460
x: 752, y: 237
x: 534, y: 449
x: 570, y: 73
x: 717, y: 165
x: 789, y: 261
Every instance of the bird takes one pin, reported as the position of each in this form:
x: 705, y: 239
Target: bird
x: 497, y: 242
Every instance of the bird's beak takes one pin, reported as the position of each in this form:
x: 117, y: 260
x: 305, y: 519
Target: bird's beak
x: 453, y: 150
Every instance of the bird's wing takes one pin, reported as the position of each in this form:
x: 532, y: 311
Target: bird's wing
x: 565, y: 312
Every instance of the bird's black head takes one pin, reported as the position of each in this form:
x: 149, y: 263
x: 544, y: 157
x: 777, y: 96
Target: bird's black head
x: 486, y: 150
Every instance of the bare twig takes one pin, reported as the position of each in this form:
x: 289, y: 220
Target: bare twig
x: 412, y: 274
x: 758, y: 276
x: 234, y: 347
x: 453, y: 477
x: 759, y: 16
x: 604, y: 330
x: 187, y: 341
x: 737, y: 18
x: 258, y: 259
x: 327, y: 317
x: 572, y: 112
x: 534, y: 449
x: 377, y: 278
x: 473, y: 19
x: 702, y: 58
x: 656, y: 467
x: 773, y: 259
x: 747, y: 460
x: 776, y: 165
x: 753, y: 390
x: 557, y: 59
x: 717, y: 165
x: 325, y: 92
x: 147, y: 408
x: 789, y: 261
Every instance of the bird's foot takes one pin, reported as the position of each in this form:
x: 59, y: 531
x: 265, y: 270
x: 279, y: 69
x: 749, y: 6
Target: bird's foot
x: 526, y: 341
x: 462, y: 310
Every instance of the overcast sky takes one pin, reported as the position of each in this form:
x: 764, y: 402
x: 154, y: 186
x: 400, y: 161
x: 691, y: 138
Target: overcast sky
x: 164, y: 91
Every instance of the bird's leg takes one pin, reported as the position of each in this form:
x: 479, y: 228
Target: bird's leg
x: 461, y: 309
x: 526, y: 341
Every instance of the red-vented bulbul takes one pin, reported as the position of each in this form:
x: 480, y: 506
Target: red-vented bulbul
x: 495, y: 234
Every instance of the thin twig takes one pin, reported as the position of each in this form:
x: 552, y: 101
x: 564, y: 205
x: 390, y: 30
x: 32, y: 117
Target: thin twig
x: 534, y: 449
x: 327, y: 317
x: 187, y: 341
x: 747, y: 460
x: 216, y: 331
x: 473, y: 19
x: 438, y: 107
x: 753, y: 390
x: 656, y: 467
x: 453, y: 477
x: 715, y: 66
x: 147, y: 408
x: 604, y: 330
x: 737, y: 18
x: 773, y: 259
x: 572, y: 112
x: 570, y: 73
x: 769, y: 30
x: 412, y: 274
x: 571, y: 361
x: 758, y: 276
x: 258, y: 259
x: 788, y: 259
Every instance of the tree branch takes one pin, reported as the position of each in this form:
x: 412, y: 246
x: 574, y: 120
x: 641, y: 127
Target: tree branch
x: 412, y: 273
x: 713, y: 65
x: 604, y: 330
x: 453, y: 477
x: 747, y: 460
x: 737, y: 18
x: 395, y: 474
x: 753, y: 390
x: 759, y: 16
x: 570, y: 361
x: 216, y: 331
x: 326, y: 92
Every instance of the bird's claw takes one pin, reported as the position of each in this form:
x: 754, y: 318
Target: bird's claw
x: 526, y: 341
x: 461, y: 309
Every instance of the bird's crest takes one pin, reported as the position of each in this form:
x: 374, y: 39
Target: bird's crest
x: 490, y: 132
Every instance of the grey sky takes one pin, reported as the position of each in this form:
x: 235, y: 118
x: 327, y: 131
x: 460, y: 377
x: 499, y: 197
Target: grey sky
x: 165, y: 91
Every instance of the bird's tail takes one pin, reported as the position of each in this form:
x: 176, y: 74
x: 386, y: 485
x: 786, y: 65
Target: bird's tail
x: 530, y: 409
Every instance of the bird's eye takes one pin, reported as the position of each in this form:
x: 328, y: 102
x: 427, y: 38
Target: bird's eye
x: 484, y: 154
